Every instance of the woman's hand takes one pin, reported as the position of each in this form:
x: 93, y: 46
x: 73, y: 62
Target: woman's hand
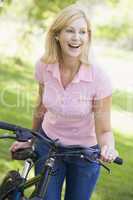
x: 20, y: 145
x: 108, y: 154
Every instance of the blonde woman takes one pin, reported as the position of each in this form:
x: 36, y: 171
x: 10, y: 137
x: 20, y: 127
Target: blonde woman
x: 74, y: 104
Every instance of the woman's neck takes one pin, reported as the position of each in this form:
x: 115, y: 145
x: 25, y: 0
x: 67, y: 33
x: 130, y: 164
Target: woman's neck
x: 70, y: 64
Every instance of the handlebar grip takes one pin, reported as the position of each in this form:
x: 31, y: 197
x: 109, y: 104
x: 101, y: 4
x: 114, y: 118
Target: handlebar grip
x: 7, y: 126
x: 118, y: 161
x: 23, y: 134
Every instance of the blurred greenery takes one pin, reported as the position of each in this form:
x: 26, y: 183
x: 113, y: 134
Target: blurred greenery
x: 18, y: 90
x: 23, y: 26
x: 123, y: 100
x: 118, y: 25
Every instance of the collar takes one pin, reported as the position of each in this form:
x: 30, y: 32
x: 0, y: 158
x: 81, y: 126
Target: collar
x: 84, y: 73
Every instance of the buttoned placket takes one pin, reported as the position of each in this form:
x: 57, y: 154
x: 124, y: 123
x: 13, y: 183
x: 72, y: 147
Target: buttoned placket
x: 65, y: 93
x: 64, y: 101
x: 64, y: 97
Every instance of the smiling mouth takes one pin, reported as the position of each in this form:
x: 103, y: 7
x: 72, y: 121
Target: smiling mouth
x: 73, y: 46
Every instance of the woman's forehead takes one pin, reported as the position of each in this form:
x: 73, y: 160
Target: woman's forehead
x: 78, y: 23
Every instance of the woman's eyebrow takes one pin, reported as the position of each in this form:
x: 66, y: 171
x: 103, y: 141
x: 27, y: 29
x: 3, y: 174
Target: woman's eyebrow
x: 74, y: 27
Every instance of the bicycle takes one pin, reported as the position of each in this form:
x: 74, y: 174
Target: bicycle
x: 14, y: 184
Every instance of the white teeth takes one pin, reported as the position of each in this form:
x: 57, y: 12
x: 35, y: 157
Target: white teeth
x: 74, y: 46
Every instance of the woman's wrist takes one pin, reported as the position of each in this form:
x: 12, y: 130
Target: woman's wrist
x: 106, y: 139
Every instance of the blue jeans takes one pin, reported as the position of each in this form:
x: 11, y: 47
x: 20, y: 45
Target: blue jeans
x: 80, y: 176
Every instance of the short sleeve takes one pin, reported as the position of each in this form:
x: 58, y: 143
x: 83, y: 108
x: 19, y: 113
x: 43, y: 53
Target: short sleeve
x: 103, y: 85
x: 39, y: 71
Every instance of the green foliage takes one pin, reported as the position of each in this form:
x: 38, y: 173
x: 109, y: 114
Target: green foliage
x: 114, y: 25
x: 34, y: 9
x: 111, y: 33
x: 5, y: 4
x: 113, y: 2
x: 41, y: 10
x: 114, y: 31
x: 17, y: 91
x: 123, y: 100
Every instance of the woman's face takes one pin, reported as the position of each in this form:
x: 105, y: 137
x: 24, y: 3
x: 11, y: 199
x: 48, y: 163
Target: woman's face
x: 74, y: 37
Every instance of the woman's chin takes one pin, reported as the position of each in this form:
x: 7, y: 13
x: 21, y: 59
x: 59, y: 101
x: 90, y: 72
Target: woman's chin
x: 73, y: 54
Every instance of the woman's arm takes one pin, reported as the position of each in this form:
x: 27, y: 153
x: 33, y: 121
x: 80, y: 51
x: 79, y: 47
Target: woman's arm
x: 105, y: 137
x: 39, y: 109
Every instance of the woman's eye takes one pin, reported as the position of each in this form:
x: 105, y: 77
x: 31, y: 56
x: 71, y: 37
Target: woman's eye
x: 69, y: 31
x: 82, y: 32
x: 72, y: 31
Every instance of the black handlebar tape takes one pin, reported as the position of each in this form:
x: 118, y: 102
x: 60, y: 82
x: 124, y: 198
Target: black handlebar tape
x: 118, y: 161
x: 7, y: 126
x: 23, y: 134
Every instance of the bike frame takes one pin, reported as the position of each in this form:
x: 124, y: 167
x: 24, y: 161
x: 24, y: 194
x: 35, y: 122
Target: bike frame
x: 41, y: 181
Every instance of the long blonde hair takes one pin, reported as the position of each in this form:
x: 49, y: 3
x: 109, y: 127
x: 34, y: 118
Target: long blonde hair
x: 65, y: 17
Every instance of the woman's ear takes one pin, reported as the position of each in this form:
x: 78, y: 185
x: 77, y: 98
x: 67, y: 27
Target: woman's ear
x: 57, y: 38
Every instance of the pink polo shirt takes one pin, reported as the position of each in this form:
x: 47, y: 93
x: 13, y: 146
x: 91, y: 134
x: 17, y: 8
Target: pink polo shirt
x: 69, y: 115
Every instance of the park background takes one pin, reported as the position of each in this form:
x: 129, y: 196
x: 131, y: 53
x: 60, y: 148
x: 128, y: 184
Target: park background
x: 23, y: 25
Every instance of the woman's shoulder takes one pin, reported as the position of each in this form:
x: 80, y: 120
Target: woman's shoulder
x: 40, y: 68
x: 102, y: 82
x: 42, y: 65
x: 97, y: 67
x: 99, y: 71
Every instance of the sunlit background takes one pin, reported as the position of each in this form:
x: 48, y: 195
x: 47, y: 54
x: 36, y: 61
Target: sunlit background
x: 23, y: 25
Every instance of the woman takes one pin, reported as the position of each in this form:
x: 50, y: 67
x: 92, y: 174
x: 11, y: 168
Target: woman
x: 74, y: 104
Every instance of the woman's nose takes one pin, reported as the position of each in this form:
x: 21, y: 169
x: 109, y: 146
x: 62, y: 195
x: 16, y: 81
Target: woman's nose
x: 76, y: 36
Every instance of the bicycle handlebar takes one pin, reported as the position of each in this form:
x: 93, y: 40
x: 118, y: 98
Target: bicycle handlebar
x: 10, y: 127
x: 24, y: 134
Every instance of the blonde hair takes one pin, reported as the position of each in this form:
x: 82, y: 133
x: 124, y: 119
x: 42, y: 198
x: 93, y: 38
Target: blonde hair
x: 65, y: 17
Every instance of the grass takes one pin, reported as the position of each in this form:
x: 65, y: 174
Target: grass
x: 17, y: 91
x: 118, y: 185
x: 17, y: 98
x: 123, y: 101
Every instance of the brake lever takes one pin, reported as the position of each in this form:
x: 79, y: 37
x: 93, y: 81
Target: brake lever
x: 98, y: 161
x: 103, y: 165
